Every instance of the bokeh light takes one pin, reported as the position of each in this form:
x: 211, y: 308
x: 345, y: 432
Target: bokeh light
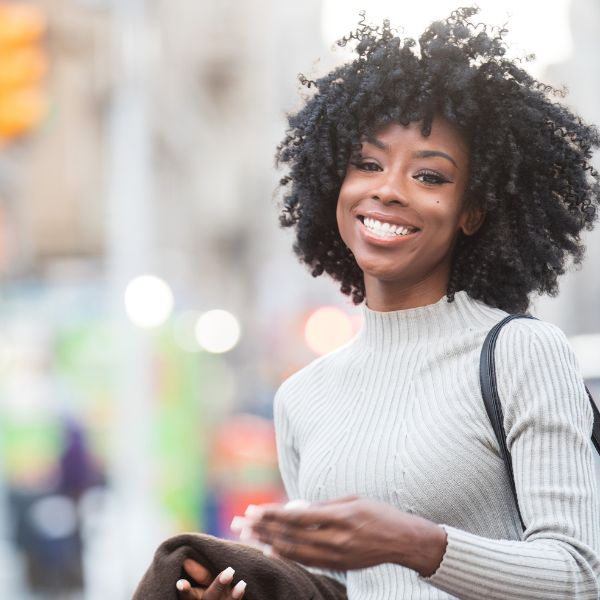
x: 148, y: 301
x: 217, y: 331
x: 327, y: 328
x: 54, y: 516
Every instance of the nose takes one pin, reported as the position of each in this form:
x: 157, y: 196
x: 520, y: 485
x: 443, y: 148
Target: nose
x: 390, y: 190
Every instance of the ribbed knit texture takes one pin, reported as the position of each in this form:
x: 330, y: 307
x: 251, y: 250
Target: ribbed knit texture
x: 397, y: 415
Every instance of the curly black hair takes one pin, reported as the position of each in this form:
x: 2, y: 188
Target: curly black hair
x: 530, y: 169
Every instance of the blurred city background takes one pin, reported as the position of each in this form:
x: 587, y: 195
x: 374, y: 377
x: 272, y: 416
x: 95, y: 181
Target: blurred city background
x: 149, y: 303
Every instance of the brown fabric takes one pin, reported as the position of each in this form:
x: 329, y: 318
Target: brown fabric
x: 267, y: 578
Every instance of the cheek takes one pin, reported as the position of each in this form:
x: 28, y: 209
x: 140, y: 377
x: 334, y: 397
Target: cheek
x: 341, y: 223
x: 446, y: 213
x: 342, y: 211
x: 444, y: 225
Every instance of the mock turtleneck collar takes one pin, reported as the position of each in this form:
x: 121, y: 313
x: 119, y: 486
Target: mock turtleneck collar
x: 441, y: 319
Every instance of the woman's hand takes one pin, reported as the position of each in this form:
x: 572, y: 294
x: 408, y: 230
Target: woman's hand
x: 210, y: 588
x: 350, y: 533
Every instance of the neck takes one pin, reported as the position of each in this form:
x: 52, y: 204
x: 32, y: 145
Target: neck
x: 384, y: 296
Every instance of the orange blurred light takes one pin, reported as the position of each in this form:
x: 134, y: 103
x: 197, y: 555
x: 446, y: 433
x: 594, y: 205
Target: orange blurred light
x: 20, y: 24
x: 22, y: 67
x: 245, y: 439
x: 20, y: 111
x: 326, y: 329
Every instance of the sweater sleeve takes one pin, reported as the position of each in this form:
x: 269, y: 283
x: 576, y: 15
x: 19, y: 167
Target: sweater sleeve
x: 287, y: 453
x: 289, y: 462
x: 548, y: 422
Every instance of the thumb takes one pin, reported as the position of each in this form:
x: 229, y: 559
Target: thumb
x: 342, y: 500
x: 199, y: 573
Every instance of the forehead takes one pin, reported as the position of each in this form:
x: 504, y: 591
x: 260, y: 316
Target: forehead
x: 444, y: 136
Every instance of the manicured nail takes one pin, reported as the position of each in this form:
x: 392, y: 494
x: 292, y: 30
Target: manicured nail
x: 239, y: 589
x: 238, y: 523
x: 254, y: 512
x: 181, y: 585
x: 226, y: 576
x: 293, y: 504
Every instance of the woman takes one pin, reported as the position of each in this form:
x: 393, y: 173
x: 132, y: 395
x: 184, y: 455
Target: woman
x: 442, y: 186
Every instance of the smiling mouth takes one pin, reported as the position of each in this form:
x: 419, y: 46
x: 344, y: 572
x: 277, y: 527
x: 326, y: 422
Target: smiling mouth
x: 385, y: 230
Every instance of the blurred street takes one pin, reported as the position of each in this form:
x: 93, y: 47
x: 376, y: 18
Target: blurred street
x: 150, y: 305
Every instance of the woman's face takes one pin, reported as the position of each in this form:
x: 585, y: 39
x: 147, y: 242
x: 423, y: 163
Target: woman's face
x: 401, y: 206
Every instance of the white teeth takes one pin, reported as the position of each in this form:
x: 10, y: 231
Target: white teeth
x: 385, y: 229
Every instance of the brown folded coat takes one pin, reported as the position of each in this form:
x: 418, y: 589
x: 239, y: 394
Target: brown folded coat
x: 267, y: 578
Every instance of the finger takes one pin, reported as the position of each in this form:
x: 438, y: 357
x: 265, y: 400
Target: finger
x: 309, y: 555
x: 199, y: 573
x: 220, y: 588
x: 342, y: 500
x: 255, y: 512
x: 297, y: 504
x: 272, y: 533
x: 239, y: 590
x: 292, y: 530
x: 243, y: 527
x: 186, y: 592
x: 323, y: 516
x: 238, y: 524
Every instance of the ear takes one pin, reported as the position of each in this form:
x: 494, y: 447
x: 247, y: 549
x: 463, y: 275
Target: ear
x: 472, y: 220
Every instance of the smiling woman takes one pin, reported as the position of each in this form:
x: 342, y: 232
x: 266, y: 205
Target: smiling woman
x: 515, y: 144
x: 400, y: 209
x: 441, y: 185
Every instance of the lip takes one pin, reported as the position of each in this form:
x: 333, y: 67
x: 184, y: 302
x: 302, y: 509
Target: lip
x: 392, y: 219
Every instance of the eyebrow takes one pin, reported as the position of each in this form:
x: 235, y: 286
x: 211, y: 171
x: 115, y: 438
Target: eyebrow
x: 429, y: 153
x: 419, y: 154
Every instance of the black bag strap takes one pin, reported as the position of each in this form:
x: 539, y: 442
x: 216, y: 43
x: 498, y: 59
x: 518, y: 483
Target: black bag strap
x: 491, y: 399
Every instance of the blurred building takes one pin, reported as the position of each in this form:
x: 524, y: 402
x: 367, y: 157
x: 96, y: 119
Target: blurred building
x: 156, y: 156
x: 577, y: 309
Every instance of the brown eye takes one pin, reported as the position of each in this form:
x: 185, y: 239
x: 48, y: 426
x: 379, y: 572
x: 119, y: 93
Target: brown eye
x: 431, y: 178
x: 369, y: 166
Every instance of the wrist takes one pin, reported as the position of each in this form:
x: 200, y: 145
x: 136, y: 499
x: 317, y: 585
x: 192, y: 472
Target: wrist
x: 424, y: 548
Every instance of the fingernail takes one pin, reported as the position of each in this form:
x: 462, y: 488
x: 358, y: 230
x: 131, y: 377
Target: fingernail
x: 254, y: 512
x: 239, y: 589
x: 237, y: 523
x: 180, y: 585
x: 227, y: 575
x: 293, y: 504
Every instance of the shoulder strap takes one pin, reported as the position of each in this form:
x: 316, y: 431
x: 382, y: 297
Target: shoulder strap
x: 491, y: 399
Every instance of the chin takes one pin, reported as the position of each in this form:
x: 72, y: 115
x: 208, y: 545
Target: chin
x: 381, y: 269
x: 384, y: 275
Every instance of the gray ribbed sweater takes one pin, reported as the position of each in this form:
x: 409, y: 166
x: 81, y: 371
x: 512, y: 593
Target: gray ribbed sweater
x: 397, y: 415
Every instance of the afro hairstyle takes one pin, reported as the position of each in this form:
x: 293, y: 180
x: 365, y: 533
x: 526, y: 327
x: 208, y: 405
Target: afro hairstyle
x: 530, y: 170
